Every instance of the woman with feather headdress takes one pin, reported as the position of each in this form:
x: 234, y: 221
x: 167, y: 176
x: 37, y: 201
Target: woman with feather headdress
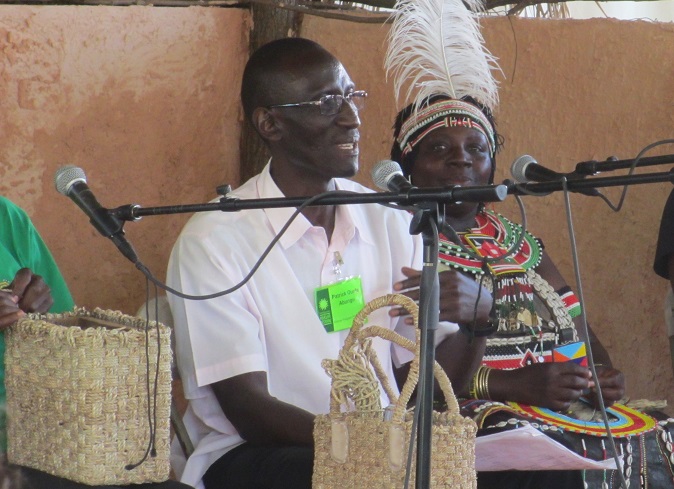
x: 450, y: 142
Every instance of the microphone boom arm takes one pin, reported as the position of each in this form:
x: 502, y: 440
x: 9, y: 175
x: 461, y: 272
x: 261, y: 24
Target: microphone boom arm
x: 533, y: 188
x: 594, y: 167
x: 487, y: 193
x: 449, y: 195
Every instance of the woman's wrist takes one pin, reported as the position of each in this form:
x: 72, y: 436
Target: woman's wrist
x: 479, y: 384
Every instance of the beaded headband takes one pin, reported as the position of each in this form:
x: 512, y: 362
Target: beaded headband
x: 444, y: 113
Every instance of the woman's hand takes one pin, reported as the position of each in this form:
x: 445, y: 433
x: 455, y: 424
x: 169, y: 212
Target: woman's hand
x: 458, y: 296
x: 550, y: 385
x: 612, y: 383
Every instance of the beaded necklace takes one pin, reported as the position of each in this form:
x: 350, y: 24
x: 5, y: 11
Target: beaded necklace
x: 488, y: 243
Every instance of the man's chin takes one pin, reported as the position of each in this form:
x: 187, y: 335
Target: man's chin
x: 347, y: 170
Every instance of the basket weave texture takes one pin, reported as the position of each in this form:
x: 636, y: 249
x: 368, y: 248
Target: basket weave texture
x: 78, y: 405
x: 357, y: 446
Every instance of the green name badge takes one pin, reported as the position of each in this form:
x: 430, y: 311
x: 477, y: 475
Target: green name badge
x: 337, y: 304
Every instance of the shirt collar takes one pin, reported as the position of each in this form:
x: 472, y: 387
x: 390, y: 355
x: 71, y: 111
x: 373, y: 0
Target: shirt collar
x: 349, y: 219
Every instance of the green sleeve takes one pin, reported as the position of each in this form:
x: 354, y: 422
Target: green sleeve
x: 20, y: 235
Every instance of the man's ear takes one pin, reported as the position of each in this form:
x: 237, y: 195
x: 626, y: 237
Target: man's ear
x: 266, y: 124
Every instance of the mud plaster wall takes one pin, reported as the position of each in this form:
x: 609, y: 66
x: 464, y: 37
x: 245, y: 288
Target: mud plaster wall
x: 142, y: 99
x: 145, y: 101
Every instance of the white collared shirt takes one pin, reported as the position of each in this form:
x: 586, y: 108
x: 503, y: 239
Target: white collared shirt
x: 270, y: 324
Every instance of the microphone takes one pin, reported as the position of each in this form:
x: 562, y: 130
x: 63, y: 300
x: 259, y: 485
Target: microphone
x: 387, y: 175
x: 526, y: 169
x: 71, y: 182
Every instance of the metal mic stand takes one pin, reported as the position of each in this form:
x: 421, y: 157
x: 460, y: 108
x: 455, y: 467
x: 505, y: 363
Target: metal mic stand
x: 594, y: 167
x: 530, y: 188
x: 426, y: 222
x: 440, y: 195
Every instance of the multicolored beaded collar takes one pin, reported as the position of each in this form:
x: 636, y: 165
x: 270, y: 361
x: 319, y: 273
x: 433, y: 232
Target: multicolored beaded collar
x: 488, y: 244
x: 491, y: 237
x: 625, y: 421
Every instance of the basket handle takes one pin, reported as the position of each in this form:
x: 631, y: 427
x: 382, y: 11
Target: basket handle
x: 358, y: 333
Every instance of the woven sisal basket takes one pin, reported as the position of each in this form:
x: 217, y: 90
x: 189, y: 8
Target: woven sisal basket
x: 77, y: 396
x: 362, y: 448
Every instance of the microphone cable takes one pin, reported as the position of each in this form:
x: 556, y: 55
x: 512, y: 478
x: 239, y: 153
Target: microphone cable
x: 152, y: 394
x: 258, y: 263
x: 150, y: 278
x: 590, y: 356
x: 617, y: 208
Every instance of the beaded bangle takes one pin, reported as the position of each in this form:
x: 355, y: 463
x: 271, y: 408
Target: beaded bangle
x: 479, y: 384
x: 571, y: 302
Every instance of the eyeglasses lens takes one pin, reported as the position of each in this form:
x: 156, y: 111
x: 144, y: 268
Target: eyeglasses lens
x: 332, y: 104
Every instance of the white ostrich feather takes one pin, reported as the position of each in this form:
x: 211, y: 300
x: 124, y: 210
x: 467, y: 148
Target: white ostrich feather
x: 436, y: 47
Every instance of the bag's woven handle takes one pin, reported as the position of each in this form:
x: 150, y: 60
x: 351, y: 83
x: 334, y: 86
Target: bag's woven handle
x: 358, y: 336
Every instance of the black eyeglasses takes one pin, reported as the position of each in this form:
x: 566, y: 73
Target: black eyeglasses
x: 332, y: 104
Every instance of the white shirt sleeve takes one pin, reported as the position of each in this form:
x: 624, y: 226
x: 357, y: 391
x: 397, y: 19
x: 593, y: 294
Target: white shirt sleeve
x: 216, y: 338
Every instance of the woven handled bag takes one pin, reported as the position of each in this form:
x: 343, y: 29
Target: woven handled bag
x: 367, y: 446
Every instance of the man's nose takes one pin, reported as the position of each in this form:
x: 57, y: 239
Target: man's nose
x: 348, y: 115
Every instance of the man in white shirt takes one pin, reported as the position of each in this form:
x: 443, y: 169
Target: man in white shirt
x: 251, y: 360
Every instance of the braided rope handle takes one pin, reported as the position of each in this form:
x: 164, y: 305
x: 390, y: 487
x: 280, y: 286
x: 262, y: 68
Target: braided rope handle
x: 358, y: 340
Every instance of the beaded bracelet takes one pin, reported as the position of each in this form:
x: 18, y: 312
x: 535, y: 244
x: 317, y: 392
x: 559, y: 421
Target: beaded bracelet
x: 571, y: 302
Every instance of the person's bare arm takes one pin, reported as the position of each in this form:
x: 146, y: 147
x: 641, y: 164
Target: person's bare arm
x: 670, y: 264
x: 670, y: 267
x: 259, y: 417
x: 458, y: 354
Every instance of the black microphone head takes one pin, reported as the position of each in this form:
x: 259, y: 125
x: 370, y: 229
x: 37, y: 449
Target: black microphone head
x: 519, y: 167
x: 383, y: 171
x: 66, y: 176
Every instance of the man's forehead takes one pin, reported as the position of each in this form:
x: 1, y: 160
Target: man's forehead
x: 317, y: 77
x: 321, y: 63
